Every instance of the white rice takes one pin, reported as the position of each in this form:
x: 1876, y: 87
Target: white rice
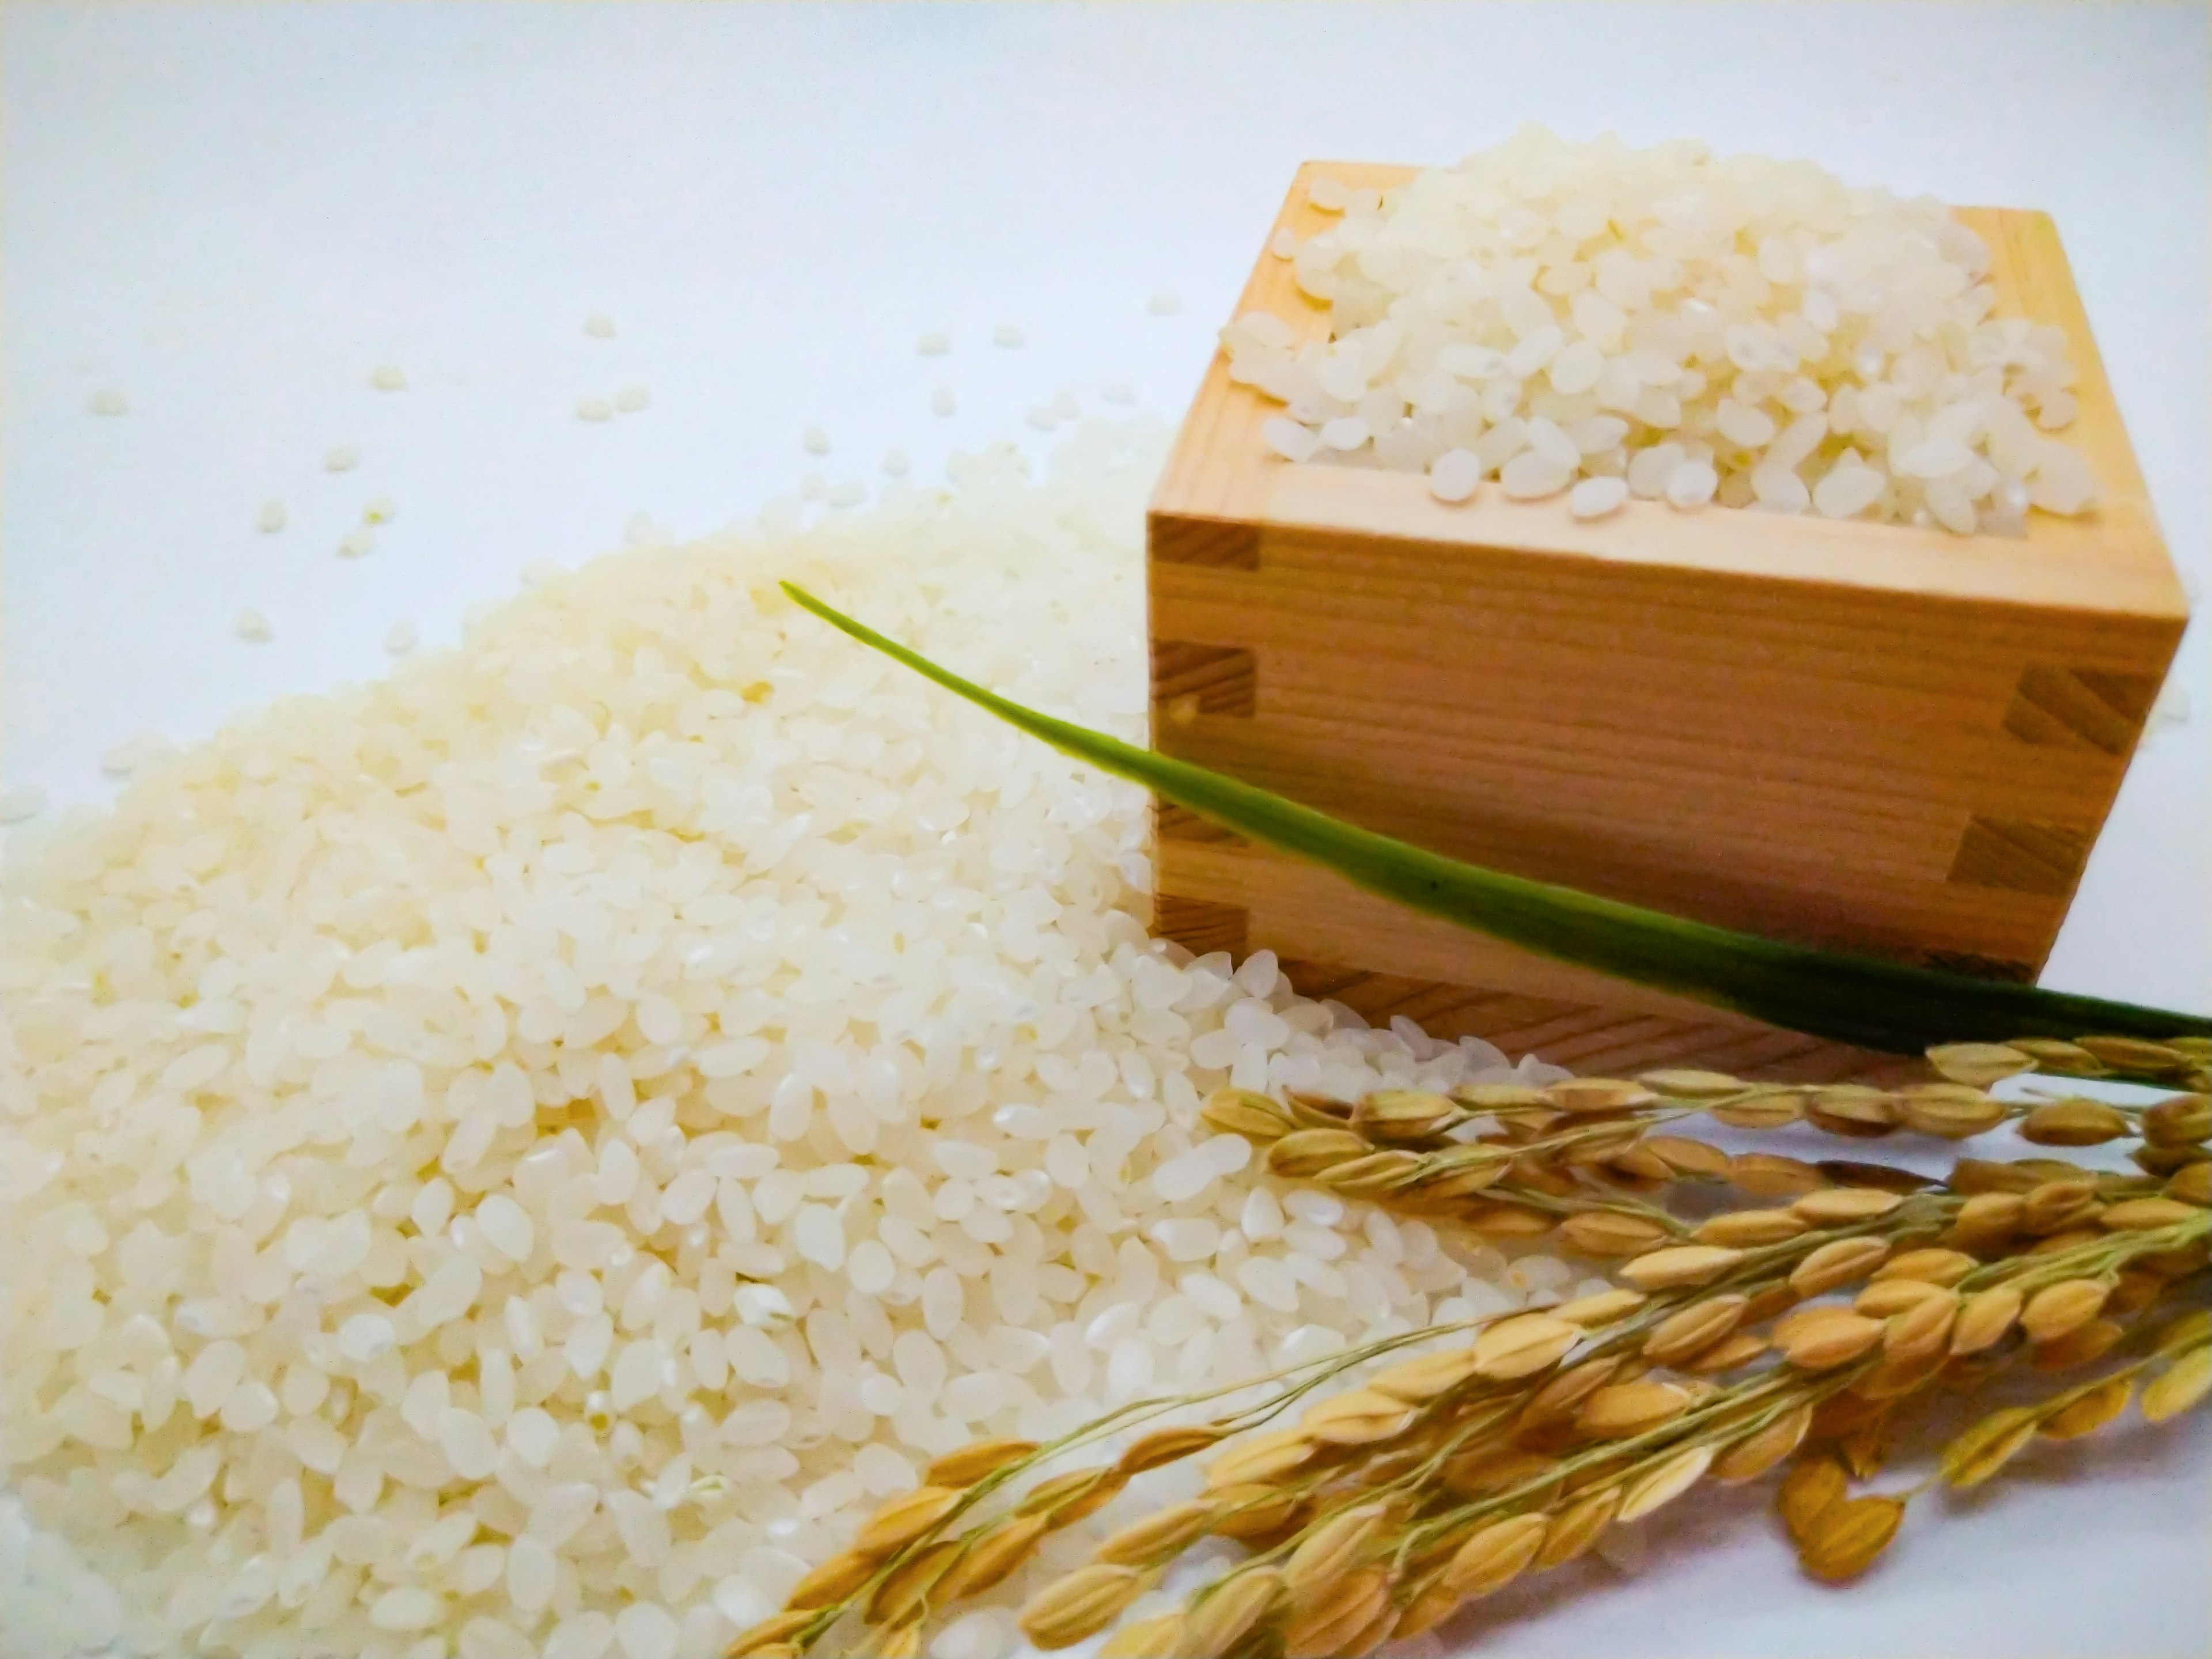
x: 525, y: 1154
x: 1784, y: 341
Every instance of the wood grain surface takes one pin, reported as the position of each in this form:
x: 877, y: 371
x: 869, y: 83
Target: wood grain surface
x: 1868, y: 736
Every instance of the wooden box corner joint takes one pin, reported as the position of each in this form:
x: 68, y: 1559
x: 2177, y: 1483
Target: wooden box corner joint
x: 1865, y: 736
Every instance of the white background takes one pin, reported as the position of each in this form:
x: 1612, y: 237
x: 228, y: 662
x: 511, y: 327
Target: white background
x: 232, y: 215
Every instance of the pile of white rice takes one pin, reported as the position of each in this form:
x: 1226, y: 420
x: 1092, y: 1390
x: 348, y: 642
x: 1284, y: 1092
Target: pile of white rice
x: 1671, y: 325
x: 518, y: 1157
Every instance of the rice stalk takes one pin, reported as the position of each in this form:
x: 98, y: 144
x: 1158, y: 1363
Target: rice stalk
x: 1377, y: 1509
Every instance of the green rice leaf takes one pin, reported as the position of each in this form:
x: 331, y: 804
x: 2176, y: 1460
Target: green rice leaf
x: 1837, y: 996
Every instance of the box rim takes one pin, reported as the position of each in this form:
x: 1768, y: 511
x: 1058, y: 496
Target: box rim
x: 2116, y: 561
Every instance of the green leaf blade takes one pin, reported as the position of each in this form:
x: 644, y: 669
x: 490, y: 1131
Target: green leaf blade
x: 1840, y: 996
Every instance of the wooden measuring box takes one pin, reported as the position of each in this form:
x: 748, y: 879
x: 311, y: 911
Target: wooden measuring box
x: 1894, y: 740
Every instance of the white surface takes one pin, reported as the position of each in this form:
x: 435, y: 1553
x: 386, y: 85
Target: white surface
x: 234, y: 216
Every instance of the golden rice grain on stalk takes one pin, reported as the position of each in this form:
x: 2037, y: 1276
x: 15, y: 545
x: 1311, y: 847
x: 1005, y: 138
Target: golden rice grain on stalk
x: 2192, y: 1184
x: 1770, y: 1302
x: 1541, y: 1176
x: 1892, y: 1379
x: 1598, y: 1094
x: 1231, y: 1608
x: 1980, y: 1175
x: 1888, y: 1298
x: 833, y: 1581
x: 1666, y: 1483
x: 1523, y: 1346
x: 1839, y: 1262
x: 1080, y: 1604
x: 2177, y: 1262
x: 1838, y: 1414
x: 2059, y: 1058
x: 1979, y: 1063
x: 2190, y: 1331
x: 1813, y: 1486
x: 1931, y: 1266
x: 1854, y: 1110
x: 1405, y: 1114
x: 2134, y: 1215
x: 1159, y: 1536
x: 1921, y: 1331
x: 1756, y: 1453
x: 1987, y: 1446
x: 1331, y: 1550
x: 2163, y: 1161
x: 1984, y: 1319
x: 1684, y: 1085
x: 1839, y: 1206
x: 1428, y: 1606
x: 1456, y: 1175
x: 903, y: 1642
x: 1499, y: 1097
x: 1242, y: 1112
x: 1740, y: 1348
x: 1590, y: 1312
x: 1561, y: 1397
x: 1622, y: 1409
x: 1769, y: 1174
x: 1307, y: 1152
x: 1698, y: 1158
x: 2179, y: 1121
x: 1262, y: 1458
x: 1360, y: 1416
x: 1864, y: 1448
x: 1416, y: 1381
x: 996, y: 1555
x: 1843, y: 1539
x: 1570, y: 1533
x: 1163, y: 1446
x: 1494, y: 1556
x: 2087, y: 1412
x: 1608, y: 1233
x: 1772, y: 1109
x: 2180, y: 1386
x: 902, y: 1519
x: 2135, y: 1055
x: 2054, y: 1311
x: 1481, y: 1470
x: 1371, y: 1176
x: 1949, y: 1111
x: 1256, y: 1509
x: 1884, y: 1177
x: 2072, y: 1121
x: 2056, y: 1206
x: 1748, y: 1229
x: 1688, y: 1330
x: 1330, y: 1628
x: 2133, y: 1290
x: 2082, y: 1346
x: 1308, y: 1111
x: 903, y: 1589
x: 1822, y: 1339
x: 1989, y: 1218
x: 1506, y: 1221
x: 966, y: 1465
x: 1148, y: 1638
x: 1679, y: 1265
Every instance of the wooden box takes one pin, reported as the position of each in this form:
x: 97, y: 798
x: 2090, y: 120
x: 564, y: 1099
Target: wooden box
x: 1895, y: 740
